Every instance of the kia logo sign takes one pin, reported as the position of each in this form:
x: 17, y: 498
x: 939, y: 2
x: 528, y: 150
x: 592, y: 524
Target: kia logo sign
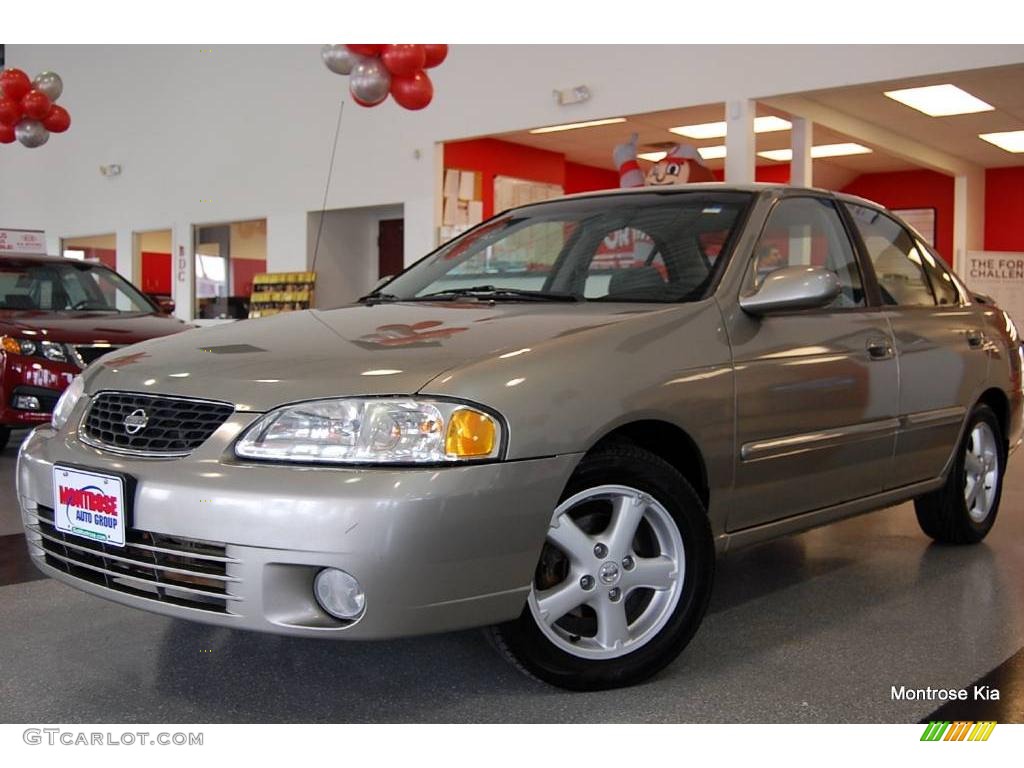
x: 136, y: 421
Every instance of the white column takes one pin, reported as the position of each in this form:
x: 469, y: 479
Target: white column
x: 126, y: 255
x: 739, y: 141
x: 801, y: 172
x: 287, y: 242
x: 968, y: 216
x: 182, y: 269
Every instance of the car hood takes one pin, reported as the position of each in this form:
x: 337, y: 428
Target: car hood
x: 88, y: 327
x: 357, y: 350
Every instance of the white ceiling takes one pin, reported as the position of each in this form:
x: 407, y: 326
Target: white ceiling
x: 956, y: 135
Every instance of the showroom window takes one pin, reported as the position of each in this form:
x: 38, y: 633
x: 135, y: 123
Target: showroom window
x: 808, y: 230
x: 898, y: 260
x: 227, y: 257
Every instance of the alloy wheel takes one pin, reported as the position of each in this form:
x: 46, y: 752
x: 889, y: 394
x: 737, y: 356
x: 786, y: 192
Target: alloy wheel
x: 611, y: 574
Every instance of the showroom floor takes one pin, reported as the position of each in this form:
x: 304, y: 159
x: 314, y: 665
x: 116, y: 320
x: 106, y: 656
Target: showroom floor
x: 812, y: 628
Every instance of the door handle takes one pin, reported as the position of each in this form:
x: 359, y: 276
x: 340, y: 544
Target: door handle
x: 975, y: 339
x: 879, y: 349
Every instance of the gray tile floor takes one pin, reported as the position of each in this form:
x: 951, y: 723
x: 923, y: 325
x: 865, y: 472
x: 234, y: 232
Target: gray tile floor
x: 811, y: 628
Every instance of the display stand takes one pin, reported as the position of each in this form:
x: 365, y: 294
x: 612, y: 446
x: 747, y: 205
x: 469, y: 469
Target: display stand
x: 276, y: 292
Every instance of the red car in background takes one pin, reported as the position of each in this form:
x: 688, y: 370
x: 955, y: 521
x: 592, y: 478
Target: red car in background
x: 56, y: 316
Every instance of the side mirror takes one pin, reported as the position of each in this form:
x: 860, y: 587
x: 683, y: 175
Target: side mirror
x: 792, y: 288
x: 166, y: 306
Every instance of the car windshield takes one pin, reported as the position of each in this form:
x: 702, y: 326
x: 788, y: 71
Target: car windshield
x: 649, y: 247
x: 67, y: 287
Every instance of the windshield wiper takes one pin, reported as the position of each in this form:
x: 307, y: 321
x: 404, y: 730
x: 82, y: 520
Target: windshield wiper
x: 377, y: 298
x: 494, y: 293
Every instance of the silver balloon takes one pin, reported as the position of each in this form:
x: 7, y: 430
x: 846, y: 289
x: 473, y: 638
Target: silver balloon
x: 31, y: 133
x: 339, y: 59
x: 50, y: 84
x: 370, y: 81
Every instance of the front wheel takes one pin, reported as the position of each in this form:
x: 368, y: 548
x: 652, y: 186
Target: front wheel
x: 623, y: 579
x: 964, y: 509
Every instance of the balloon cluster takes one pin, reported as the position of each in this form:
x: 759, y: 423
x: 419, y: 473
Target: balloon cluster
x: 374, y: 71
x: 28, y: 108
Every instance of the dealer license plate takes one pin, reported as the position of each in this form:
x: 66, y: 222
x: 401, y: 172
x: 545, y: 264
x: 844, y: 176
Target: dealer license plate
x: 89, y: 505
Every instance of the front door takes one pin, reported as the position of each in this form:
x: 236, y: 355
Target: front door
x: 816, y: 391
x: 390, y: 247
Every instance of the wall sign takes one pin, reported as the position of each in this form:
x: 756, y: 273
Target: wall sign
x: 999, y: 274
x: 22, y: 241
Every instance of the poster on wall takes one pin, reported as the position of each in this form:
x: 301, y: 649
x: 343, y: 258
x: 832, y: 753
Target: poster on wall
x: 999, y: 274
x: 22, y: 241
x: 921, y: 219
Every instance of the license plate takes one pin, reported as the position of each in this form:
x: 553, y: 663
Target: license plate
x: 89, y: 504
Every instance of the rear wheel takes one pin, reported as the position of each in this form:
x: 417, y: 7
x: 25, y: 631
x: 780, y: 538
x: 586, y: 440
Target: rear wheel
x: 623, y: 579
x: 964, y: 509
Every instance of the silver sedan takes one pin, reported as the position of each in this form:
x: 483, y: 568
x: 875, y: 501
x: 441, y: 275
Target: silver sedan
x: 548, y: 427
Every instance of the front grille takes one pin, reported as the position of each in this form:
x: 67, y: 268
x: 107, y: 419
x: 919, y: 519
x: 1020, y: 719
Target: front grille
x: 151, y: 565
x: 173, y: 425
x: 90, y: 353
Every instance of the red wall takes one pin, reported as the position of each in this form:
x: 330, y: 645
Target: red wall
x: 156, y: 272
x: 242, y: 271
x: 1004, y: 209
x: 105, y: 256
x: 494, y: 157
x: 587, y: 178
x: 913, y: 189
x: 770, y: 174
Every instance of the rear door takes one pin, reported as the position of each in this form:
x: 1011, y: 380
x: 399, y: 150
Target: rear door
x: 815, y: 390
x: 940, y: 344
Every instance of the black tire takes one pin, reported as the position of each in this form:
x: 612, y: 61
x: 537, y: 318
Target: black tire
x: 943, y: 514
x: 523, y: 642
x: 5, y: 435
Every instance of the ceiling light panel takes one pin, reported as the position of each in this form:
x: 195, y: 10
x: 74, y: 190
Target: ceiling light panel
x: 1011, y: 141
x: 574, y: 126
x: 766, y: 124
x: 940, y: 100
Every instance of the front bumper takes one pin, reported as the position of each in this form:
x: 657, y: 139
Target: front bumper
x: 44, y: 379
x: 435, y: 549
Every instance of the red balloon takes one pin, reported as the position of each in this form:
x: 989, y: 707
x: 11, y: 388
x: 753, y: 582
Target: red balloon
x: 436, y: 53
x: 403, y: 60
x: 57, y: 120
x: 10, y: 111
x: 365, y: 49
x: 412, y: 92
x: 6, y: 134
x: 15, y: 84
x: 36, y: 104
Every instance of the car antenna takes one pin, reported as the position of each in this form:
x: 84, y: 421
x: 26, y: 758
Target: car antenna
x: 327, y: 186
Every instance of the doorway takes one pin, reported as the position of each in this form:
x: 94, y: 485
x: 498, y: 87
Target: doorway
x: 151, y: 263
x: 97, y: 248
x: 390, y: 247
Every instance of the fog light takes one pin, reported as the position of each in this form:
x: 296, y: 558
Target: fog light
x: 26, y: 403
x: 339, y: 594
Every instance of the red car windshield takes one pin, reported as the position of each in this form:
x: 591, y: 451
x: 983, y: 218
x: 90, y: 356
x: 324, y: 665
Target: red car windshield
x: 67, y: 287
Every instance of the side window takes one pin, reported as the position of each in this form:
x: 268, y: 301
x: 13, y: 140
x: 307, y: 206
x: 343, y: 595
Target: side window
x: 942, y: 283
x: 808, y: 230
x: 897, y: 258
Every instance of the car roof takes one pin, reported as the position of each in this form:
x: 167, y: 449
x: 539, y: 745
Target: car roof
x: 719, y: 186
x: 29, y: 259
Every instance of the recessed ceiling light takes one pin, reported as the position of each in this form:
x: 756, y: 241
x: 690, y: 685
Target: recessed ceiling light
x: 1011, y: 141
x: 574, y: 126
x: 824, y: 150
x: 652, y: 156
x: 766, y: 124
x: 940, y: 100
x: 712, y: 153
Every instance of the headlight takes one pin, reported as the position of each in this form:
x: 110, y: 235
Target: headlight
x: 17, y: 346
x: 373, y: 431
x: 68, y: 399
x: 53, y: 351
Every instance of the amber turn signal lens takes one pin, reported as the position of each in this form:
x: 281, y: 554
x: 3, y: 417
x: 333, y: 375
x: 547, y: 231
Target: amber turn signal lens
x: 470, y: 434
x: 10, y: 345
